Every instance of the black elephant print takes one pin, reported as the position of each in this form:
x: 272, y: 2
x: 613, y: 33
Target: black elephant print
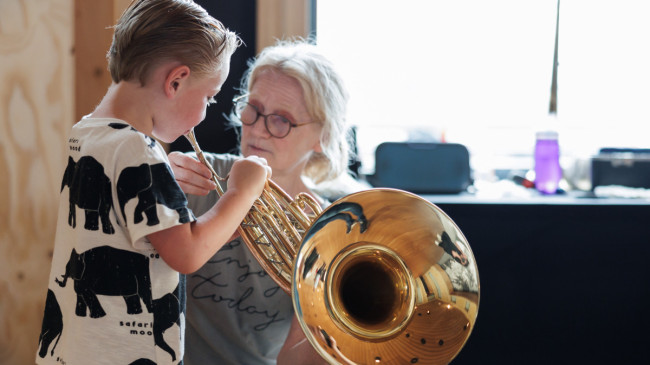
x: 90, y: 190
x: 143, y: 362
x: 110, y: 271
x: 165, y: 314
x: 152, y: 142
x: 52, y: 325
x: 151, y: 184
x: 119, y: 125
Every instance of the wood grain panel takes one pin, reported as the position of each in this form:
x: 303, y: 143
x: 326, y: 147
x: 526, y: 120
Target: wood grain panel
x: 53, y: 71
x: 280, y: 19
x: 92, y: 38
x: 36, y: 99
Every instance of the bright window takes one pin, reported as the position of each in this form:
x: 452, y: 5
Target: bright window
x: 479, y: 73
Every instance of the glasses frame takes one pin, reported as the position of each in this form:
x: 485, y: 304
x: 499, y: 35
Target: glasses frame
x: 244, y: 99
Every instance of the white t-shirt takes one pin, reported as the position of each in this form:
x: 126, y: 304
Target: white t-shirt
x: 111, y: 298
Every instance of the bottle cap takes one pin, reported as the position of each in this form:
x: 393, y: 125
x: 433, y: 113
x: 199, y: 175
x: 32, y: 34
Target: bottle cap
x: 549, y: 135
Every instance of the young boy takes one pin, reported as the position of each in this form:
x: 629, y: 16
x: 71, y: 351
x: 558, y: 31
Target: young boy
x: 124, y: 231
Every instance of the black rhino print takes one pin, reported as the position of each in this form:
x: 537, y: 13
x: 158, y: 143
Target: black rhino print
x: 106, y: 270
x: 151, y: 184
x: 52, y: 325
x: 90, y: 190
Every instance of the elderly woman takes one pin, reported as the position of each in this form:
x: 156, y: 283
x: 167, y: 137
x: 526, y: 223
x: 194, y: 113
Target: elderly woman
x: 292, y: 113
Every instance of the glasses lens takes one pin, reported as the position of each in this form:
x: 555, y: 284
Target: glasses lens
x: 278, y: 126
x: 247, y: 113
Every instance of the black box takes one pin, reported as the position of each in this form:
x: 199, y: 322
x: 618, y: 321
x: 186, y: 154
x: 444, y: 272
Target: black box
x: 422, y: 168
x: 624, y: 167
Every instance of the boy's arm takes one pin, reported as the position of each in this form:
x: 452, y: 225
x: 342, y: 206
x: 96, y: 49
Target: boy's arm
x: 186, y: 247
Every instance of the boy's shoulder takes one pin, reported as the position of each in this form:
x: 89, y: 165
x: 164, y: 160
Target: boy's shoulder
x: 112, y: 129
x: 110, y: 124
x: 107, y: 138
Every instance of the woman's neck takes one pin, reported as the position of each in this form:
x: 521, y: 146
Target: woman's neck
x: 292, y: 185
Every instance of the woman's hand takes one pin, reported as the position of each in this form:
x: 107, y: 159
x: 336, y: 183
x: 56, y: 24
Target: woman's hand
x: 297, y: 349
x: 192, y: 176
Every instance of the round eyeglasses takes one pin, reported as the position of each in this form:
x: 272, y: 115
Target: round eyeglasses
x: 277, y: 125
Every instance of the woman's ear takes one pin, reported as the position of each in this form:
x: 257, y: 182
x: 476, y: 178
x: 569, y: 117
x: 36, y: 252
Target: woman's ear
x: 176, y: 77
x: 317, y: 147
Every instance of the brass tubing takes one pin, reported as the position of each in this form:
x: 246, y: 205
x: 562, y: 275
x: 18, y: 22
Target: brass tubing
x: 274, y: 226
x: 380, y: 276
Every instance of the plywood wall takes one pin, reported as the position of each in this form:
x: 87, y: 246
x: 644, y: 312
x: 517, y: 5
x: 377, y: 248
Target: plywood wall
x: 279, y: 19
x: 53, y: 71
x: 36, y: 100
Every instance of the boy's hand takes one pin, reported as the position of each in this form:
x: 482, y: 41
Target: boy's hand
x: 192, y: 176
x: 248, y: 176
x: 187, y: 247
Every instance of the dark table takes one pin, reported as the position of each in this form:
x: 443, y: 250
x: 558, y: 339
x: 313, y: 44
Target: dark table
x: 564, y: 279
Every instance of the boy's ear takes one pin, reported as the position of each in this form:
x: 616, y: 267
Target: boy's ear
x: 175, y: 78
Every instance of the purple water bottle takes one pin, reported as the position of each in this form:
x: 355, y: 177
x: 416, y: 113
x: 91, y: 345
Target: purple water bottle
x: 547, y: 162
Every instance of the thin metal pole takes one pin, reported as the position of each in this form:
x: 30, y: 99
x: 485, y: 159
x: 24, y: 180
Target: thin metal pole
x: 552, y: 108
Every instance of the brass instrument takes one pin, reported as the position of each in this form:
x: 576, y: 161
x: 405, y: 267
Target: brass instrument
x: 379, y: 276
x: 275, y: 225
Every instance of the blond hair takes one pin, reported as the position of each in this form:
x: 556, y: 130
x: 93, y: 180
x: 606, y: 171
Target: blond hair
x: 325, y: 99
x: 151, y: 32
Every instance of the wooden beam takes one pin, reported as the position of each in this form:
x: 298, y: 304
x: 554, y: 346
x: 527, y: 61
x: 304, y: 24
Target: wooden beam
x: 280, y: 19
x: 92, y: 38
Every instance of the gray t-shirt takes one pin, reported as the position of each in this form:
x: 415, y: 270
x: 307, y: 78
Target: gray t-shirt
x: 236, y: 314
